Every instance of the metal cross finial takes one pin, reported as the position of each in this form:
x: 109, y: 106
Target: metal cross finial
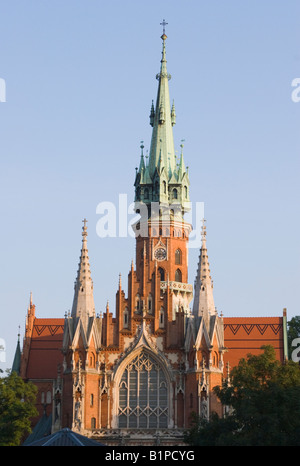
x: 203, y: 233
x: 163, y: 24
x: 84, y: 228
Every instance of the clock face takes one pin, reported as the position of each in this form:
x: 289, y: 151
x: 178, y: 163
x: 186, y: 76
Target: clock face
x: 160, y: 254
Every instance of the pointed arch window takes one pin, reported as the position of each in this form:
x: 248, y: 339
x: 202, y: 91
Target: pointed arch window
x: 178, y: 257
x: 174, y: 193
x: 150, y: 303
x: 143, y: 394
x: 138, y: 306
x: 125, y: 318
x: 138, y: 193
x: 161, y: 318
x: 178, y: 276
x: 92, y: 360
x: 162, y: 274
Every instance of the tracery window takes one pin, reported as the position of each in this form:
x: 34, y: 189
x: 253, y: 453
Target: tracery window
x: 143, y: 394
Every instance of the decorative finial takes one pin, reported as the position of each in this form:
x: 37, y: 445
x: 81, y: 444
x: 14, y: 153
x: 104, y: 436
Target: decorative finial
x: 164, y: 24
x: 142, y: 147
x: 152, y: 114
x: 203, y: 232
x: 84, y: 228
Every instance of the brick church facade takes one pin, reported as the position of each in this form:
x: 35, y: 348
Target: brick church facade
x: 134, y: 376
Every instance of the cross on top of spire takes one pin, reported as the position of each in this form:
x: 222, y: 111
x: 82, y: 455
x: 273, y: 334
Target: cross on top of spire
x: 164, y: 24
x: 203, y: 232
x: 84, y: 228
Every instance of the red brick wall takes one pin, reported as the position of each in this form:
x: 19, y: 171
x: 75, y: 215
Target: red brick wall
x: 245, y: 335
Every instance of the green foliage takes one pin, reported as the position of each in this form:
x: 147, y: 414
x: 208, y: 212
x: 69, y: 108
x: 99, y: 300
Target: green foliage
x: 215, y: 432
x: 293, y: 333
x: 17, y: 407
x: 264, y: 400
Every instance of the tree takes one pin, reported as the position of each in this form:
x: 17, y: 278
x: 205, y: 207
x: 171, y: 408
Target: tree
x: 264, y: 400
x: 293, y: 333
x: 17, y: 407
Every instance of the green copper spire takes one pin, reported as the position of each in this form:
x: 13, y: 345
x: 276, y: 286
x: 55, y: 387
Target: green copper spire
x: 163, y: 178
x: 162, y: 142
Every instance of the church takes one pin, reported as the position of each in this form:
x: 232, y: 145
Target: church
x: 135, y: 374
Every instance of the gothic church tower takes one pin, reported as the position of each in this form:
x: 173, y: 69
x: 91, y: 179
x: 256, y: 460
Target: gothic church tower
x: 137, y: 376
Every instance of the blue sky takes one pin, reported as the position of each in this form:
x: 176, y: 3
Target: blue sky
x: 80, y: 78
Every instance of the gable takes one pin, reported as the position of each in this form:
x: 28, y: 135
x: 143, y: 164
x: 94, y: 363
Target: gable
x: 244, y: 335
x: 45, y: 348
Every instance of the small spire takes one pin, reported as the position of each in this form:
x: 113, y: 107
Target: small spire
x: 83, y: 302
x: 142, y: 163
x: 173, y: 114
x: 204, y: 300
x: 152, y: 114
x: 181, y: 169
x: 17, y: 357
